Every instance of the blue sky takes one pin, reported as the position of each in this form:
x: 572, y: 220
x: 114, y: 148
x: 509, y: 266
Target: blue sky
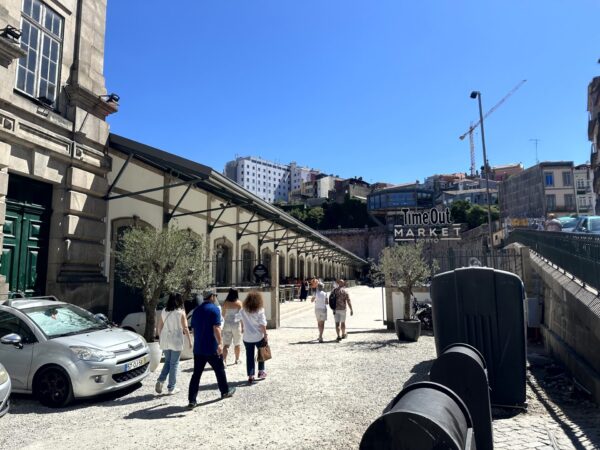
x: 378, y: 88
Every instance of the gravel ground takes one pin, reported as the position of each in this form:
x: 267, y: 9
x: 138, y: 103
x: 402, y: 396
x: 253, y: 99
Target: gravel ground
x: 315, y: 396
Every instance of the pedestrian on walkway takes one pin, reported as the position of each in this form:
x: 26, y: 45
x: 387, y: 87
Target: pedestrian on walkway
x: 255, y: 332
x: 304, y: 290
x: 208, y: 347
x: 342, y: 302
x: 320, y: 301
x: 552, y: 224
x: 172, y: 327
x: 233, y: 326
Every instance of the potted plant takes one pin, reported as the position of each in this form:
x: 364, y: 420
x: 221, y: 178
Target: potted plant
x: 159, y: 262
x: 404, y: 266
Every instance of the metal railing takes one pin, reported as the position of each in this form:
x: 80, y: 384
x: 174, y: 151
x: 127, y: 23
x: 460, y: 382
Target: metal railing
x: 576, y: 253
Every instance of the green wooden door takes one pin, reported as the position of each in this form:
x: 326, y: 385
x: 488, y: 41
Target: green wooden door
x: 24, y: 253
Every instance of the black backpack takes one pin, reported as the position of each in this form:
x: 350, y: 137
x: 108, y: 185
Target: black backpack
x: 333, y: 299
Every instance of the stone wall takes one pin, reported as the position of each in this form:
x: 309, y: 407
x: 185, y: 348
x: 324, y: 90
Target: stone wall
x: 363, y: 242
x: 64, y: 145
x: 571, y: 320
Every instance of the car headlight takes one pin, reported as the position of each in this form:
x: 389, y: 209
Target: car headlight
x: 3, y: 375
x: 92, y: 354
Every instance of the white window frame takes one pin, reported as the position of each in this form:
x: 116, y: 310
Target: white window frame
x: 43, y: 35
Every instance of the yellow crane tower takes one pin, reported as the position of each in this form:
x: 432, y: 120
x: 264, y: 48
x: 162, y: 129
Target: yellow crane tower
x: 474, y: 126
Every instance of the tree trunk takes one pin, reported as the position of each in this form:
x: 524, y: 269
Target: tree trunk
x: 150, y: 305
x: 407, y: 305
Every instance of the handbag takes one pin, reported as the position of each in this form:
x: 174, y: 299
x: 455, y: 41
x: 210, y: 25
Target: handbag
x: 264, y: 353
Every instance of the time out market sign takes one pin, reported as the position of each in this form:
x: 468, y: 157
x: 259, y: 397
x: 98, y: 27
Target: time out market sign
x: 431, y: 224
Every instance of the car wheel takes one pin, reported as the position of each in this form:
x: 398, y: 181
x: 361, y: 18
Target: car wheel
x: 53, y: 388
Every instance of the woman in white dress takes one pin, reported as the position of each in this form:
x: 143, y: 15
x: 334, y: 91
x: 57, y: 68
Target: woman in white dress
x: 233, y: 326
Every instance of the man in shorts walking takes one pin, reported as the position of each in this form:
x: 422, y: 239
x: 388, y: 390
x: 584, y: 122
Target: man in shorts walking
x: 320, y: 301
x: 342, y: 303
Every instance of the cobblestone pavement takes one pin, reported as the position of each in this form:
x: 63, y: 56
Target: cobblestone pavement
x: 315, y: 396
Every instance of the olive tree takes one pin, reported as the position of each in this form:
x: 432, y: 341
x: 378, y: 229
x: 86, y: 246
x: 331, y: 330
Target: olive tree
x: 404, y: 266
x: 162, y: 261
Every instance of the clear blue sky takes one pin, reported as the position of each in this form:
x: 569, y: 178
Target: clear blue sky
x: 373, y: 88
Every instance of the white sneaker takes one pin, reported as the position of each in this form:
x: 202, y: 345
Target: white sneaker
x: 174, y: 391
x: 158, y: 387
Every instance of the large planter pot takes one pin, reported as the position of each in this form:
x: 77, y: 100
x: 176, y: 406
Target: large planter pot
x: 187, y: 352
x: 155, y: 355
x: 408, y: 330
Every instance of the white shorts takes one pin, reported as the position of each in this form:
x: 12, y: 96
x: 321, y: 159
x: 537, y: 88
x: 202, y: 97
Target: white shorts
x: 232, y: 333
x: 321, y: 314
x: 340, y: 315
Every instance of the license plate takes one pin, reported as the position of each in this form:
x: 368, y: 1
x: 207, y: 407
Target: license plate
x: 135, y: 364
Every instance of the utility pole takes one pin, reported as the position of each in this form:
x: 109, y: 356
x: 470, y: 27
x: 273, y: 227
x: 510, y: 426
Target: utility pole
x: 477, y: 95
x: 535, y: 141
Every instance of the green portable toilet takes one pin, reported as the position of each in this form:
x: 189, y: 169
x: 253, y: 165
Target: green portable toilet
x: 484, y: 307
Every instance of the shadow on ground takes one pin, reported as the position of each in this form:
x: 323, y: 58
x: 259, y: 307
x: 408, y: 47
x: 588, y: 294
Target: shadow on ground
x: 569, y: 403
x: 27, y: 404
x: 420, y: 372
x: 162, y: 411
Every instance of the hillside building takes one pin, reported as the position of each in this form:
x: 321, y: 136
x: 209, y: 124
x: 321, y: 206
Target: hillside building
x: 547, y: 187
x: 268, y: 180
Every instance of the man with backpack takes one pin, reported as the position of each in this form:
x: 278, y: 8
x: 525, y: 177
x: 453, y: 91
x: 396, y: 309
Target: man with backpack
x: 339, y: 301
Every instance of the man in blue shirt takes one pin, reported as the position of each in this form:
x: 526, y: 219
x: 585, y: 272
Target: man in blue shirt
x: 208, y: 347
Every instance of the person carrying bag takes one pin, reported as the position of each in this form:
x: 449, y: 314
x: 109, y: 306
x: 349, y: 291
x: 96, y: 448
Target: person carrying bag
x: 255, y: 333
x: 264, y: 352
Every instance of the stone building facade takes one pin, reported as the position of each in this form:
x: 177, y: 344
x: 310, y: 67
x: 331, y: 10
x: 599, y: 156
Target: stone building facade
x: 53, y: 161
x: 547, y: 187
x: 366, y: 243
x: 61, y: 169
x: 594, y: 134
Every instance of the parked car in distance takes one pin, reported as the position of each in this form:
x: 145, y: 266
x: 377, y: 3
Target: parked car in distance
x: 4, y: 391
x: 59, y: 351
x: 588, y: 224
x: 568, y: 224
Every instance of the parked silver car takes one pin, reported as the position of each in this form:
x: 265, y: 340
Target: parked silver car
x: 4, y: 391
x: 58, y: 351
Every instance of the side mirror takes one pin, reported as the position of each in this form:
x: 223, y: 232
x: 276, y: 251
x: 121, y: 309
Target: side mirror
x: 12, y: 339
x: 101, y: 317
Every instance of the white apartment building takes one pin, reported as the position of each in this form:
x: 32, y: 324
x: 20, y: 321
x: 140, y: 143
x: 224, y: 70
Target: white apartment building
x: 268, y: 180
x: 586, y: 200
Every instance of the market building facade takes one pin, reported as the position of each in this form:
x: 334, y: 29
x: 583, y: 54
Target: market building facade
x: 68, y: 187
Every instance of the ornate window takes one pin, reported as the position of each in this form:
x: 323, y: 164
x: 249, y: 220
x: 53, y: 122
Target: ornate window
x: 42, y: 33
x: 247, y: 265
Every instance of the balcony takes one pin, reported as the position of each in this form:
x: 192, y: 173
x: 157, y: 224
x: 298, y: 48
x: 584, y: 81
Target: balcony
x: 561, y: 208
x: 582, y: 190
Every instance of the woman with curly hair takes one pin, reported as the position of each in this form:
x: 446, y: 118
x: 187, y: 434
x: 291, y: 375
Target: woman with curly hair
x: 255, y: 332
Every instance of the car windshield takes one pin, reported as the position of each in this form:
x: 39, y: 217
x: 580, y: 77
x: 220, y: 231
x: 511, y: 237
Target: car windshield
x: 63, y: 320
x: 569, y: 223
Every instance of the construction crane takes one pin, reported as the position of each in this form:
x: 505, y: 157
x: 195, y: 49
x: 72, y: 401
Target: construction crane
x: 476, y: 124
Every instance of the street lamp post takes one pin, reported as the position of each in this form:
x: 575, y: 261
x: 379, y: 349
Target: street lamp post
x: 477, y: 95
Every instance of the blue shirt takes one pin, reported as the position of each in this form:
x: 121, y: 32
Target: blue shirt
x: 205, y: 317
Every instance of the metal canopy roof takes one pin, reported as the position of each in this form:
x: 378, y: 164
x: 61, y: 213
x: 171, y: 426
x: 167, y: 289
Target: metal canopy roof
x: 206, y: 178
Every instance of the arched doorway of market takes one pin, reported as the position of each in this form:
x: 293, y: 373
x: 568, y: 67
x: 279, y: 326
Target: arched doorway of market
x: 123, y: 299
x: 223, y: 261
